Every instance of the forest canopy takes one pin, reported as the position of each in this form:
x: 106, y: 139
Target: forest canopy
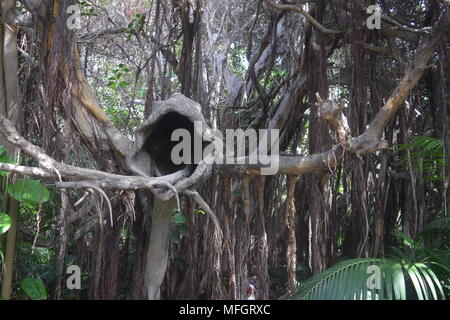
x: 330, y: 120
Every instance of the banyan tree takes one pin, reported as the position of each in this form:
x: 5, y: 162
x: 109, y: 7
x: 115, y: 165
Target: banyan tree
x: 91, y: 110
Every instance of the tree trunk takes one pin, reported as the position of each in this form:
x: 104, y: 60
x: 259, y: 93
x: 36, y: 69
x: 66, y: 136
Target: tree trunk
x: 10, y: 107
x: 292, y: 242
x: 158, y: 248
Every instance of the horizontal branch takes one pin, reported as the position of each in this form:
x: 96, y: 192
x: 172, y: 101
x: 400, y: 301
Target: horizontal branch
x: 27, y: 171
x: 413, y: 74
x: 384, y: 52
x: 405, y: 28
x: 368, y: 142
x: 308, y: 17
x: 102, y: 33
x: 51, y: 168
x: 291, y: 165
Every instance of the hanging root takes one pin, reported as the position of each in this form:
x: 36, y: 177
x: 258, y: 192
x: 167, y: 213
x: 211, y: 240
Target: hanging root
x: 90, y: 188
x: 123, y: 184
x: 108, y: 202
x: 84, y: 197
x: 167, y: 195
x: 202, y: 203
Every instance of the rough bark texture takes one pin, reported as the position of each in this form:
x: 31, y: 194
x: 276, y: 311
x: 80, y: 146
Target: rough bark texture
x: 10, y: 106
x: 347, y: 189
x: 292, y: 243
x: 158, y: 248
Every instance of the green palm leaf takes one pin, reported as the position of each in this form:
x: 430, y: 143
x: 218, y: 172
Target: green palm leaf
x: 351, y: 279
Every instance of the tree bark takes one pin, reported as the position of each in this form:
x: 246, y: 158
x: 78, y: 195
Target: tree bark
x: 158, y: 248
x: 9, y: 107
x: 292, y: 242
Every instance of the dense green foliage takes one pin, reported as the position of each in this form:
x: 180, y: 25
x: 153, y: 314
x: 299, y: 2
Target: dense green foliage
x: 250, y: 65
x: 416, y: 272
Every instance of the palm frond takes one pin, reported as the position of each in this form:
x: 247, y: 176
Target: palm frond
x: 441, y: 225
x: 407, y: 240
x: 357, y: 279
x: 427, y: 155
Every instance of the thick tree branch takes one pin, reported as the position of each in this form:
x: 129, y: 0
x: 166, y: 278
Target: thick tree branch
x: 425, y: 51
x: 368, y: 142
x: 405, y: 28
x: 54, y: 169
x: 305, y: 14
x: 291, y: 165
x: 385, y: 52
x: 333, y: 114
x: 202, y: 203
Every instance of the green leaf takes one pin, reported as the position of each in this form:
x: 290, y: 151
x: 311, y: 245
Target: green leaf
x: 124, y: 84
x: 5, y: 223
x: 428, y: 280
x: 4, y: 173
x: 435, y: 280
x: 175, y: 238
x: 27, y: 190
x: 5, y: 158
x: 348, y: 280
x: 415, y: 280
x: 34, y: 288
x: 398, y: 280
x: 178, y: 218
x: 388, y: 285
x: 112, y: 85
x: 349, y: 277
